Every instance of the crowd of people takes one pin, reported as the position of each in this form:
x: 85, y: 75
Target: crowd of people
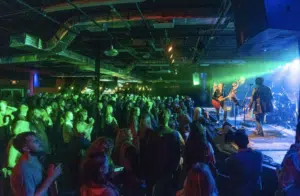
x: 131, y: 145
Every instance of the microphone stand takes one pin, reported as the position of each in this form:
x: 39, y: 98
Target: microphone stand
x: 244, y: 101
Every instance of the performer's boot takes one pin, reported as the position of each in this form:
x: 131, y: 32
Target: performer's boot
x: 259, y: 129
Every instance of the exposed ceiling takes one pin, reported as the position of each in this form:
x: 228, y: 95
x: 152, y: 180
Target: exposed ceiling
x: 66, y: 37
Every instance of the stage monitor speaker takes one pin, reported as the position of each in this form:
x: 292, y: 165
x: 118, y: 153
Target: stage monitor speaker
x: 265, y: 23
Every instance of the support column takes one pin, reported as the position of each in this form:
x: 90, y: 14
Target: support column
x: 97, y: 78
x: 97, y: 96
x: 31, y: 87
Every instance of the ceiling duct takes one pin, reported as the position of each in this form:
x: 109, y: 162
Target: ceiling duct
x: 160, y: 72
x: 64, y: 36
x: 87, y: 4
x: 203, y: 62
x: 55, y: 49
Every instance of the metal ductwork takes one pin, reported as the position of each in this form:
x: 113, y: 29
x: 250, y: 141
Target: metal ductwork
x: 160, y: 72
x: 64, y: 36
x: 87, y: 4
x: 222, y: 61
x: 83, y: 62
x: 56, y: 47
x: 24, y: 59
x: 152, y: 65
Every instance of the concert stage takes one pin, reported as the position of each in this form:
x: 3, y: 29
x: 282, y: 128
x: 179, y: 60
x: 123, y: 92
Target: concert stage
x: 275, y: 143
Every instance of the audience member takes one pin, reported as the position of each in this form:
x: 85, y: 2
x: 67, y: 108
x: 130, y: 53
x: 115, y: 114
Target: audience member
x: 95, y: 181
x: 27, y: 176
x: 244, y: 168
x: 199, y: 182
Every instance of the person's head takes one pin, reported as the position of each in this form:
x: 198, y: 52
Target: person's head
x: 54, y: 106
x: 82, y: 115
x: 3, y: 105
x: 124, y: 135
x: 37, y: 113
x: 109, y: 110
x: 136, y: 111
x: 24, y: 109
x: 149, y: 105
x: 100, y: 105
x: 61, y: 103
x: 197, y: 113
x: 259, y: 81
x: 164, y: 117
x: 28, y: 142
x: 146, y: 121
x: 241, y: 139
x: 95, y: 169
x: 101, y: 145
x: 200, y: 181
x: 69, y: 116
x: 220, y: 86
x: 49, y: 109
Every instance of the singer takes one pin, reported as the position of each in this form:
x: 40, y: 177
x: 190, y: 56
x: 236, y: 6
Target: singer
x: 261, y: 101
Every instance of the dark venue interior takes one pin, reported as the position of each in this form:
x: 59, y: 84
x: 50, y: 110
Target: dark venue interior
x: 149, y: 97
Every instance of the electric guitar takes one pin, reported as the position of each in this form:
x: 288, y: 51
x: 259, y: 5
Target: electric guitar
x: 217, y: 103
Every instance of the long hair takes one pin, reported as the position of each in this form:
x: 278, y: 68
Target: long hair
x: 91, y: 171
x: 200, y: 182
x: 196, y: 149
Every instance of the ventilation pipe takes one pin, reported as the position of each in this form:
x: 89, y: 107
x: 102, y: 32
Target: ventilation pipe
x: 87, y: 4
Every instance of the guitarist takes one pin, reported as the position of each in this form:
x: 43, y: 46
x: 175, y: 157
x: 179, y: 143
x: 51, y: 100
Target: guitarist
x: 218, y: 96
x: 261, y: 101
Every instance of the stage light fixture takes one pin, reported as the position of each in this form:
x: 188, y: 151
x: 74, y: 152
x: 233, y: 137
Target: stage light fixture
x: 59, y: 88
x: 72, y: 88
x: 171, y: 56
x: 173, y: 61
x: 170, y: 48
x: 287, y: 65
x: 296, y: 62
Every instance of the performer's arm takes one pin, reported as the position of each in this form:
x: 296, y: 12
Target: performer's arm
x: 214, y: 88
x: 270, y: 94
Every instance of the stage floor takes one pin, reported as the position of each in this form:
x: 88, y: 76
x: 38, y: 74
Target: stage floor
x: 274, y: 144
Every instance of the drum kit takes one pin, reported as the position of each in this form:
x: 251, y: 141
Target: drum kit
x: 285, y: 110
x: 284, y: 113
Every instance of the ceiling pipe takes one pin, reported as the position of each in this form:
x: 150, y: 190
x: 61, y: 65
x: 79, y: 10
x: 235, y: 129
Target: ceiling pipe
x: 219, y: 21
x: 87, y: 4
